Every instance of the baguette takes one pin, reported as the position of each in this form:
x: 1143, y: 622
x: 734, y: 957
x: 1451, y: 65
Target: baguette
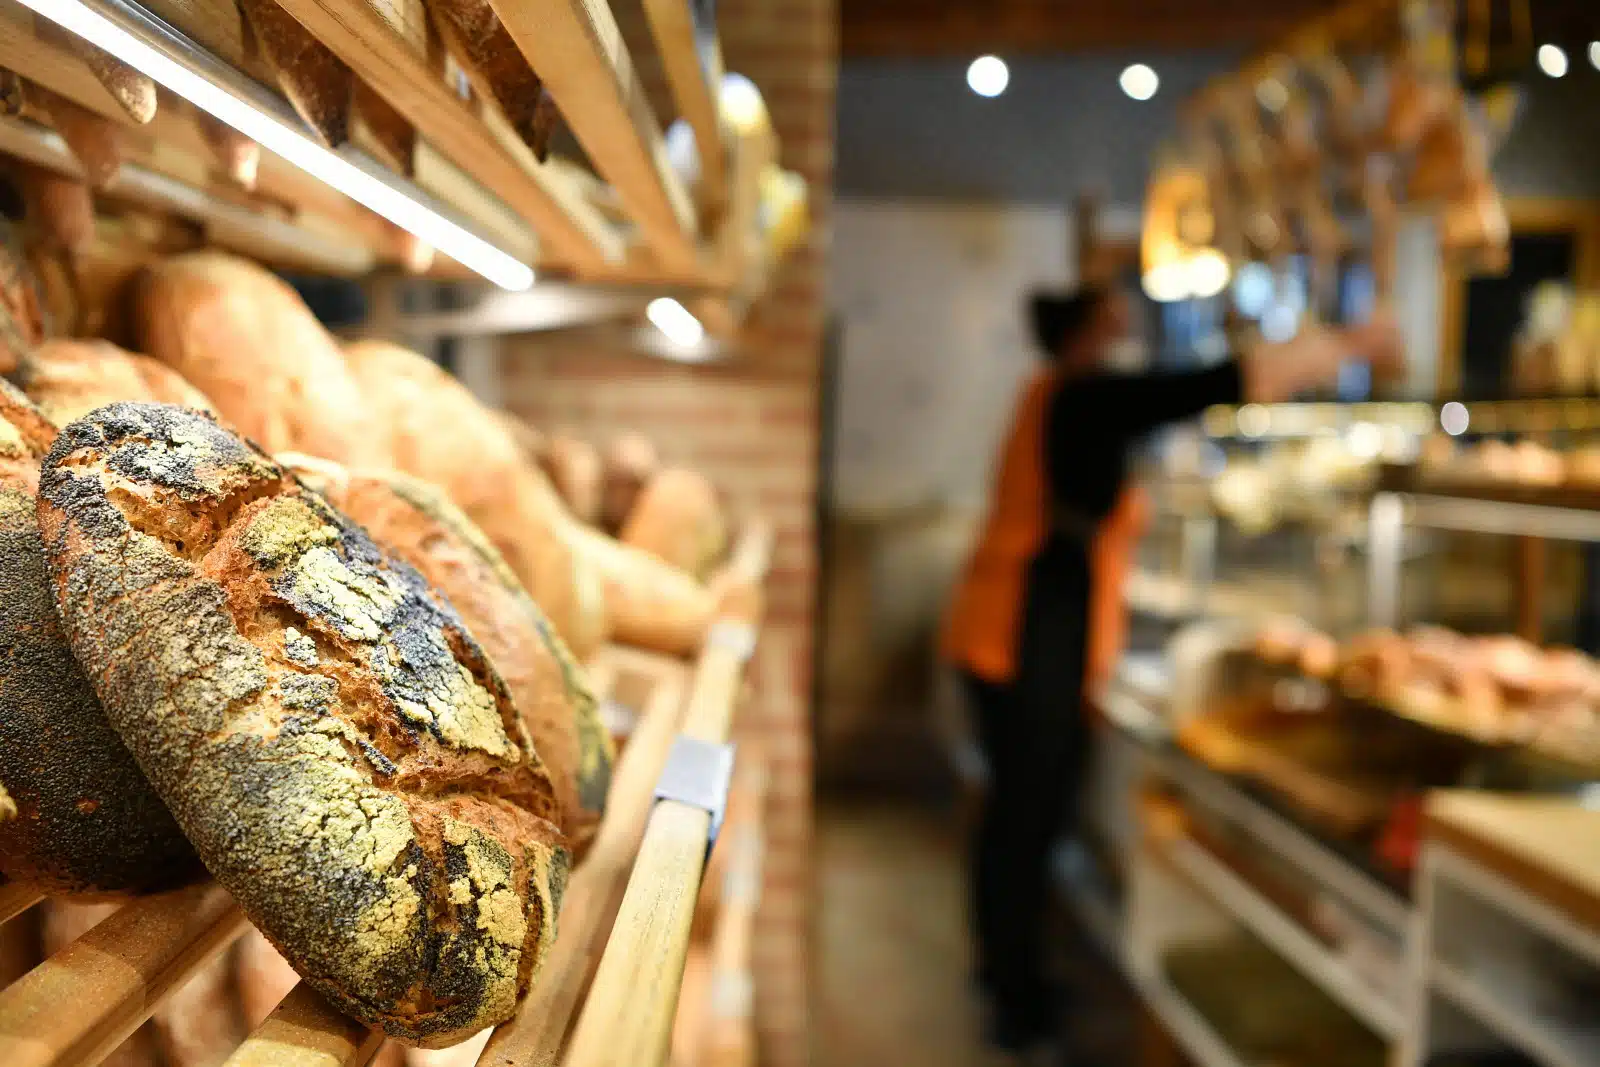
x: 573, y: 466
x: 417, y: 522
x: 316, y: 82
x: 678, y: 519
x: 628, y: 464
x: 69, y: 379
x: 330, y: 737
x: 246, y: 340
x: 88, y: 822
x: 438, y: 431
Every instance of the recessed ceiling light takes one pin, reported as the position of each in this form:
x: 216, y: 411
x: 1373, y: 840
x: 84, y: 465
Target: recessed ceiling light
x: 1594, y: 54
x: 988, y: 75
x: 1139, y: 81
x: 1553, y: 61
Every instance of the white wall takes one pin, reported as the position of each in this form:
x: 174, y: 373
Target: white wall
x: 929, y: 296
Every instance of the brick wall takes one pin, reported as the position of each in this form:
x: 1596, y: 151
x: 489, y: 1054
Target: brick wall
x: 751, y: 425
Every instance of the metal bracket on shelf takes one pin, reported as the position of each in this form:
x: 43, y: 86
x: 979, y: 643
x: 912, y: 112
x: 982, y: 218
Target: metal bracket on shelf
x: 737, y: 637
x: 698, y: 773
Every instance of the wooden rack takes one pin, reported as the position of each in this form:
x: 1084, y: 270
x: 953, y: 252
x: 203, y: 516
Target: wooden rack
x: 607, y: 992
x: 420, y: 115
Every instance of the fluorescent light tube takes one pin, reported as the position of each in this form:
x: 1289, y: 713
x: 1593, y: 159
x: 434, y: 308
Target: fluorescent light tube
x: 675, y: 322
x: 280, y: 137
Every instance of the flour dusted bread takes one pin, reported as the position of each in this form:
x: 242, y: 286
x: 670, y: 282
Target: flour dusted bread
x: 69, y: 379
x: 328, y: 734
x: 437, y: 431
x: 649, y: 603
x: 87, y: 821
x: 418, y: 522
x: 678, y: 518
x: 246, y: 340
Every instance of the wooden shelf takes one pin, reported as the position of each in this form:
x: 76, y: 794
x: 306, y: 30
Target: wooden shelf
x: 403, y: 111
x: 627, y: 905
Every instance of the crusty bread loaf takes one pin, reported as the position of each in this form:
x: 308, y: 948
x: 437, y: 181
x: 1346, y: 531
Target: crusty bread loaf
x: 628, y: 464
x: 88, y: 822
x: 69, y: 379
x: 649, y: 603
x: 247, y: 341
x: 418, y: 522
x: 439, y: 432
x: 573, y: 466
x: 329, y: 735
x: 21, y: 309
x: 679, y: 519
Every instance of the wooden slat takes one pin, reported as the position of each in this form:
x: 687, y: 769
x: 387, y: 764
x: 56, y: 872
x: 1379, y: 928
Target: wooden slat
x: 534, y: 1037
x: 46, y: 62
x: 360, y: 35
x: 249, y: 231
x: 695, y: 90
x: 16, y: 899
x: 82, y: 1002
x: 306, y: 1031
x: 627, y: 1018
x: 578, y: 51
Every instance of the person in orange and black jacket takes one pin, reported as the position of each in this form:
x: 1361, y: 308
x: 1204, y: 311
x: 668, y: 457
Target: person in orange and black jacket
x: 1018, y: 628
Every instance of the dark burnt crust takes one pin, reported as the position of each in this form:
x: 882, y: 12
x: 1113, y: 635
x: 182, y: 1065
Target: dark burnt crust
x: 363, y: 835
x: 596, y: 753
x: 88, y: 822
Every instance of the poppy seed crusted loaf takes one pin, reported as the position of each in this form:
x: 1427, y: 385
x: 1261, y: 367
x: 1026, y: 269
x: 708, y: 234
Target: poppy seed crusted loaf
x: 419, y: 523
x: 329, y: 735
x: 86, y: 819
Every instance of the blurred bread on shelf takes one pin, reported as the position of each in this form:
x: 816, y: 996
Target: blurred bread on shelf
x: 627, y: 463
x: 245, y: 339
x: 573, y: 466
x: 679, y: 519
x: 69, y: 379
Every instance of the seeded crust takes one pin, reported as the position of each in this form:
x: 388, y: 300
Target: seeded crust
x: 245, y: 339
x: 329, y: 735
x: 439, y: 432
x: 418, y: 522
x: 69, y: 379
x: 678, y: 518
x: 87, y: 820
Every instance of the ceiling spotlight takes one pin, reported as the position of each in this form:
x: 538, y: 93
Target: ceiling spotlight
x: 1139, y: 81
x: 1553, y: 61
x: 675, y: 322
x: 988, y: 75
x: 1594, y: 54
x: 1453, y: 418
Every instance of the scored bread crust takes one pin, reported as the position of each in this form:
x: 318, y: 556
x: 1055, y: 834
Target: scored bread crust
x: 87, y: 820
x: 419, y: 523
x: 330, y: 737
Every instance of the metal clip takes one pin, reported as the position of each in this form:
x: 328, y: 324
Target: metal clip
x: 738, y: 637
x: 698, y: 773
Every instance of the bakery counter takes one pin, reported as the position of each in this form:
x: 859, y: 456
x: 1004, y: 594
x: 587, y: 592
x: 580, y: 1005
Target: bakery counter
x: 1493, y: 945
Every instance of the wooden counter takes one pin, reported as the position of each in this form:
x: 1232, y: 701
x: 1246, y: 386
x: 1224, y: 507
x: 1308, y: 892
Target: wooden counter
x: 1548, y: 846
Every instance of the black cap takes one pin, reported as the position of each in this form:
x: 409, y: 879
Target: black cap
x: 1059, y: 315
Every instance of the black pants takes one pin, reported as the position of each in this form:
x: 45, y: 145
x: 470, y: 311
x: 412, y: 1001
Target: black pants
x: 1035, y: 740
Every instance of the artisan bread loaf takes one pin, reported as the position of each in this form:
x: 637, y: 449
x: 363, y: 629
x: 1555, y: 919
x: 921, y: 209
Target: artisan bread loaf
x: 333, y: 741
x: 69, y: 379
x: 439, y: 432
x: 87, y: 821
x: 573, y: 467
x: 649, y: 603
x: 418, y: 523
x: 627, y: 466
x: 678, y: 518
x: 246, y: 340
